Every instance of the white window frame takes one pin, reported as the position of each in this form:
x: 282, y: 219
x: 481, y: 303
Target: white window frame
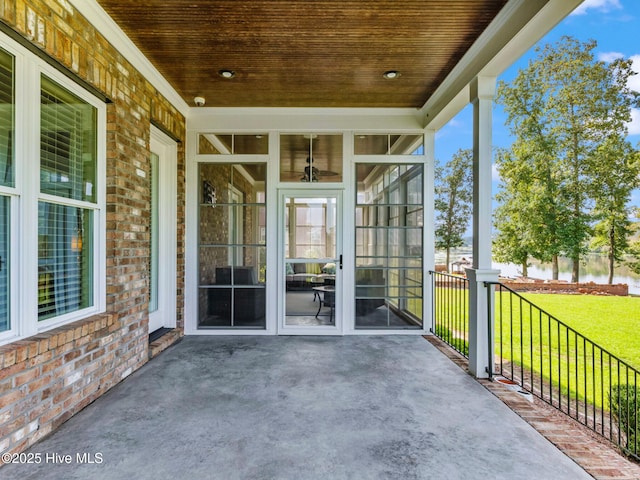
x: 25, y: 196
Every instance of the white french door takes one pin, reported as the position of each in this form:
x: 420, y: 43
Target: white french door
x: 310, y: 262
x: 163, y: 259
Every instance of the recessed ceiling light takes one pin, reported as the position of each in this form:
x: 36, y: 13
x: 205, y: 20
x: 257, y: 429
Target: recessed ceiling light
x: 391, y: 74
x: 226, y: 73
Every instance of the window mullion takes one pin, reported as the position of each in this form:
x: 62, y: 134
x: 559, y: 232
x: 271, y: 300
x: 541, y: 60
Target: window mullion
x: 68, y: 202
x: 27, y: 149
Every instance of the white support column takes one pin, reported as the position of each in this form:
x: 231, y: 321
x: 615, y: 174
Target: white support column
x: 429, y: 262
x: 481, y: 321
x: 482, y: 90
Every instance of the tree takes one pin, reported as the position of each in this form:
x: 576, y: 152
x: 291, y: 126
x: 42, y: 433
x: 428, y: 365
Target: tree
x: 634, y: 250
x: 513, y: 218
x: 530, y: 181
x: 612, y: 210
x: 561, y: 109
x: 454, y: 193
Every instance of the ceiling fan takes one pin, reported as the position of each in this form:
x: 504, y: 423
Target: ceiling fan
x: 313, y: 174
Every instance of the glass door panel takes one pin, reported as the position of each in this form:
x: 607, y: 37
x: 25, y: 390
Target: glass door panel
x: 311, y: 260
x: 389, y: 233
x: 155, y: 236
x: 232, y: 247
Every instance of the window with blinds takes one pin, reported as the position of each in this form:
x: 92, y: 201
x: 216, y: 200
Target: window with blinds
x: 68, y: 136
x: 52, y: 196
x: 64, y: 259
x: 67, y: 144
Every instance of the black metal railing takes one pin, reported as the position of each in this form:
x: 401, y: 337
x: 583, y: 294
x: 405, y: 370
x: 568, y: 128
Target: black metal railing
x: 450, y: 295
x: 557, y: 364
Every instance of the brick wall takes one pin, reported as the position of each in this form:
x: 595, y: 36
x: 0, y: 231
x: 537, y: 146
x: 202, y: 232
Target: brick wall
x: 47, y: 378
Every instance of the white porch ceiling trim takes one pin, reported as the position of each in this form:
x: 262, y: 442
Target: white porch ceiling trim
x: 518, y: 26
x: 304, y: 119
x: 96, y: 15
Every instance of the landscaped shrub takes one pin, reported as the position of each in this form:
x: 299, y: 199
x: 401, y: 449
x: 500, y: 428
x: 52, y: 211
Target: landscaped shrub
x: 625, y: 406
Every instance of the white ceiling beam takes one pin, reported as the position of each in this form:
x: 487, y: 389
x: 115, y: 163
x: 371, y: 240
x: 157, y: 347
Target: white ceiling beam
x: 239, y: 120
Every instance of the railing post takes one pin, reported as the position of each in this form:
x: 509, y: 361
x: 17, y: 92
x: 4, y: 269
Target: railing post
x: 480, y: 335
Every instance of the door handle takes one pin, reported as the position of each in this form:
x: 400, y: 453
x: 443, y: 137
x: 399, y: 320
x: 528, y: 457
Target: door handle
x: 340, y: 262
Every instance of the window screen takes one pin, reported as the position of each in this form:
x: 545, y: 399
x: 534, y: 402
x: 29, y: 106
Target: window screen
x: 68, y: 158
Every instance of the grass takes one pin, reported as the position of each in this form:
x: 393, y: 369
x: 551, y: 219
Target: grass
x: 582, y: 372
x: 611, y: 322
x: 533, y: 340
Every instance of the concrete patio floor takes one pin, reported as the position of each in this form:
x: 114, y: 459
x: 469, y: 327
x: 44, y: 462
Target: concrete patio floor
x: 356, y: 407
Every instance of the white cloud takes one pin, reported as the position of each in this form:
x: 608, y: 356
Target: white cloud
x: 495, y: 174
x: 634, y: 124
x: 634, y: 81
x: 609, y: 57
x: 603, y: 6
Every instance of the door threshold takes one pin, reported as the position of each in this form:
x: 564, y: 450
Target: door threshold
x: 156, y: 334
x: 162, y: 339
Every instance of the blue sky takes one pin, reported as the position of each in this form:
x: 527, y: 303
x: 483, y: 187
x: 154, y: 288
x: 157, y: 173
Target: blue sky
x: 612, y: 23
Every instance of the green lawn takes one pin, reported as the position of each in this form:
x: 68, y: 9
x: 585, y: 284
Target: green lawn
x: 573, y: 366
x: 582, y: 371
x: 556, y: 353
x: 611, y: 322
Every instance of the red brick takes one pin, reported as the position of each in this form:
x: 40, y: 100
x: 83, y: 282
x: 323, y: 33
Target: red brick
x: 50, y: 414
x: 38, y: 384
x: 26, y: 376
x: 63, y: 394
x: 10, y: 398
x: 9, y: 358
x: 52, y: 365
x: 73, y: 354
x: 6, y: 386
x: 40, y: 359
x: 16, y: 423
x: 12, y: 370
x: 22, y: 351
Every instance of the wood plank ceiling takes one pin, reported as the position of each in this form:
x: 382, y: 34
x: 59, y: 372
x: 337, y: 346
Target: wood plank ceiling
x: 304, y: 53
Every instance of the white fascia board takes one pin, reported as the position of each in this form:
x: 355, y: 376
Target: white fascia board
x: 518, y: 26
x: 303, y: 119
x: 96, y: 15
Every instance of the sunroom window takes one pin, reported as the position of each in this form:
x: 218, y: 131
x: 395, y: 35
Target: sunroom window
x: 389, y: 233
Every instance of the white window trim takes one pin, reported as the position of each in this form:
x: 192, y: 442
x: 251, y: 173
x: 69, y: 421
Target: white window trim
x: 25, y: 196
